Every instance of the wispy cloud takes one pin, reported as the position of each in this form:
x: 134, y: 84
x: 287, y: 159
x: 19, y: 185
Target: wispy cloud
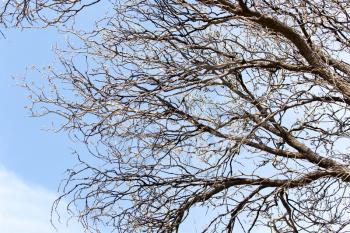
x: 26, y: 208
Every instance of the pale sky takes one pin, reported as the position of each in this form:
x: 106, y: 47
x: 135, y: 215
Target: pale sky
x: 26, y: 207
x: 32, y: 161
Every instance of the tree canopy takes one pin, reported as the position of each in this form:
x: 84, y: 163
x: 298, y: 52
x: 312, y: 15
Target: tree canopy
x: 237, y: 107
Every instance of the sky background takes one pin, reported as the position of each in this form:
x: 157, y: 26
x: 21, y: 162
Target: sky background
x: 32, y: 160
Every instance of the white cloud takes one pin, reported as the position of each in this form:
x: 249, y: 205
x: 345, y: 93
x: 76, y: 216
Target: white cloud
x: 26, y: 208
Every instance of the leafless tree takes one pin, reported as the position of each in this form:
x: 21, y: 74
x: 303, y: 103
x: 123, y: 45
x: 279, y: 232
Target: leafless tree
x: 238, y: 108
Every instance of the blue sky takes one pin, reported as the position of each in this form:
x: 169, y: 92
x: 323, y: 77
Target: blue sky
x: 32, y: 161
x: 26, y: 149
